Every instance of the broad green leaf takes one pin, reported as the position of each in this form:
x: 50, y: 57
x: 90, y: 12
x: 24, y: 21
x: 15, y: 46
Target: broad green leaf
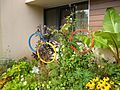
x: 111, y: 21
x: 104, y: 35
x: 107, y: 36
x: 100, y: 42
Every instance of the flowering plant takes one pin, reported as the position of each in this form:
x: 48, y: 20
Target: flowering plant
x: 100, y: 84
x: 23, y: 76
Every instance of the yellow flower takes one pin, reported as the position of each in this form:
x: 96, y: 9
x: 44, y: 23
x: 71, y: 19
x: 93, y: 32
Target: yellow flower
x: 107, y: 88
x: 103, y: 85
x: 87, y: 84
x: 91, y: 81
x: 103, y: 88
x: 95, y: 79
x: 101, y: 82
x: 107, y: 85
x: 106, y: 79
x: 90, y: 85
x: 99, y: 85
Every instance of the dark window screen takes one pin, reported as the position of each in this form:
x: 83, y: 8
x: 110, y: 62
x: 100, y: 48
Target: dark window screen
x: 64, y: 13
x: 55, y: 17
x: 81, y: 16
x: 51, y: 18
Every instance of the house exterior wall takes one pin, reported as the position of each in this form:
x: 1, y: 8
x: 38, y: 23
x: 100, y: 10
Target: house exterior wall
x: 97, y: 11
x: 18, y: 21
x: 0, y: 32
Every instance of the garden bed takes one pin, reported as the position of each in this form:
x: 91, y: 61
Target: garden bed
x: 75, y: 66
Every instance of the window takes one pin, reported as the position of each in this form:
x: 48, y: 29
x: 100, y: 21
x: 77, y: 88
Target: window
x: 81, y: 15
x: 55, y: 17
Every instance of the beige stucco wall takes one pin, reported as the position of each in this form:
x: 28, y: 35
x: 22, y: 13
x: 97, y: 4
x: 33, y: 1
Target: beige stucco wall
x: 0, y: 32
x: 18, y: 21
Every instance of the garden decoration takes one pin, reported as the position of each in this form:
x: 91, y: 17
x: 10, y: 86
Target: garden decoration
x: 29, y: 40
x: 45, y: 50
x: 48, y: 51
x: 74, y: 72
x: 75, y: 47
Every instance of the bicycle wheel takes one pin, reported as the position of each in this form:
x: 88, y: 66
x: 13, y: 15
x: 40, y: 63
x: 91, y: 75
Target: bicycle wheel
x: 46, y: 52
x: 83, y: 33
x: 30, y: 39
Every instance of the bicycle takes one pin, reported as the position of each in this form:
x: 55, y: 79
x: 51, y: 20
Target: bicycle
x: 45, y: 50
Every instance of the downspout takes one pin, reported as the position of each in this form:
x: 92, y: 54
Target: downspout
x: 88, y: 14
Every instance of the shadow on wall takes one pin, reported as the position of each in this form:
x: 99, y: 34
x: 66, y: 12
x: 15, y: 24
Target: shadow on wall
x: 104, y: 53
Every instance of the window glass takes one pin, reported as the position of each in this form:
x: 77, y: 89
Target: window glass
x: 64, y: 13
x: 55, y: 17
x: 81, y: 19
x: 51, y: 18
x: 81, y: 15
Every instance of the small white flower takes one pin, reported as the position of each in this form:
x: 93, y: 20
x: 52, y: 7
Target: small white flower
x: 57, y: 49
x: 36, y: 89
x: 25, y: 83
x: 35, y: 70
x: 49, y: 82
x: 43, y: 85
x: 48, y: 86
x: 60, y: 75
x: 22, y: 79
x: 21, y: 76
